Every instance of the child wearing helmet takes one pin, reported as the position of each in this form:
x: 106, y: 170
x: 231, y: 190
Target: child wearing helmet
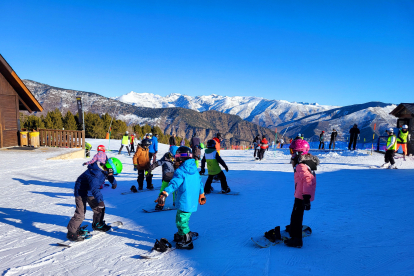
x: 167, y: 163
x: 87, y: 191
x: 390, y: 150
x: 88, y: 148
x: 99, y: 157
x: 213, y: 160
x: 190, y: 193
x: 402, y: 139
x: 304, y: 166
x: 142, y: 164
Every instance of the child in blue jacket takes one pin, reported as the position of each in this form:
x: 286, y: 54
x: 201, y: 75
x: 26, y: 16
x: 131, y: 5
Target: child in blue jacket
x: 190, y: 192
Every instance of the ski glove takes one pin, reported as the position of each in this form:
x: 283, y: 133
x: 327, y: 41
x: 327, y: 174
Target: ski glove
x: 101, y: 204
x: 202, y: 171
x: 202, y: 199
x: 135, y: 168
x: 84, y: 164
x: 306, y: 202
x: 161, y: 198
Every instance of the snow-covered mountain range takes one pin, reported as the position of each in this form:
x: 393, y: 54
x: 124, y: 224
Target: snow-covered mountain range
x: 266, y: 113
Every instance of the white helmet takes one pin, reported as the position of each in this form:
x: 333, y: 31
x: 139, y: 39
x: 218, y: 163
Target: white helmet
x: 390, y: 130
x: 405, y: 126
x: 298, y: 134
x: 126, y: 132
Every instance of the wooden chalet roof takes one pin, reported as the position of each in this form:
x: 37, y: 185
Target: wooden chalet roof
x: 409, y: 107
x: 26, y: 99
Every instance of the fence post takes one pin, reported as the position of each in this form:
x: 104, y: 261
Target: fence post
x: 83, y: 139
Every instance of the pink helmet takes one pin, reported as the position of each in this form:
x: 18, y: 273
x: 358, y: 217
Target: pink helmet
x: 300, y: 145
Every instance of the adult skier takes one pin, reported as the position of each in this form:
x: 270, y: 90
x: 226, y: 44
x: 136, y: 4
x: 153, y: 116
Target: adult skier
x: 87, y: 191
x: 190, y: 193
x: 167, y: 163
x: 353, y: 137
x: 322, y: 140
x: 141, y: 162
x: 264, y: 145
x: 195, y: 147
x: 172, y: 140
x: 153, y: 148
x: 213, y: 160
x: 390, y: 152
x: 402, y: 139
x: 304, y: 166
x: 256, y: 143
x: 333, y: 138
x: 125, y: 143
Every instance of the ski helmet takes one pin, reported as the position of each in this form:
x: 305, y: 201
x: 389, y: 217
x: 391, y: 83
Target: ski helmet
x: 126, y: 132
x: 146, y: 143
x: 300, y: 146
x: 390, y: 130
x: 183, y: 153
x: 405, y: 127
x: 101, y: 148
x: 114, y: 165
x: 211, y: 144
x: 173, y: 150
x: 299, y: 134
x: 219, y: 135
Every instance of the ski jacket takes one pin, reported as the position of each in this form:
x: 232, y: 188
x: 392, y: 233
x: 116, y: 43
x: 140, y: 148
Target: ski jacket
x: 321, y: 137
x: 264, y: 144
x: 172, y: 141
x: 100, y: 156
x: 132, y: 139
x: 88, y: 146
x: 153, y: 148
x: 195, y: 147
x: 217, y: 144
x: 391, y: 142
x: 125, y: 140
x: 141, y: 159
x: 187, y: 182
x: 213, y: 160
x: 354, y: 133
x: 90, y: 181
x: 333, y: 135
x: 402, y: 137
x: 305, y: 177
x: 167, y: 167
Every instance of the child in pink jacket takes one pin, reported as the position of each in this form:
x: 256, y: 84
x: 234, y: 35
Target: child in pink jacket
x: 304, y: 165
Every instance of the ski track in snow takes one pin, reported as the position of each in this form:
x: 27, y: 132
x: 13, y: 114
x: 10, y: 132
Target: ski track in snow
x: 359, y: 219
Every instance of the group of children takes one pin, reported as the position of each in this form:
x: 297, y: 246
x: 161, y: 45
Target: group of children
x: 180, y: 177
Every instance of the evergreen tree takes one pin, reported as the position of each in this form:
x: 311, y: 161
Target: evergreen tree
x: 94, y: 126
x: 57, y: 119
x: 146, y: 129
x: 106, y: 119
x: 33, y: 122
x: 118, y: 129
x: 49, y: 121
x: 69, y: 122
x: 138, y: 131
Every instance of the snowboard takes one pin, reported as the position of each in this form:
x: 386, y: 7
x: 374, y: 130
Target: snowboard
x: 154, y: 254
x: 379, y: 167
x: 220, y: 193
x: 115, y: 225
x: 263, y: 242
x: 141, y: 191
x: 153, y: 210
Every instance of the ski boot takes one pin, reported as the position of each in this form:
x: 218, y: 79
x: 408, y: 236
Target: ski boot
x: 294, y: 242
x: 101, y: 226
x: 385, y: 165
x: 273, y: 235
x: 185, y: 242
x: 226, y: 191
x: 208, y: 192
x: 82, y: 231
x: 393, y: 167
x: 134, y: 189
x: 150, y: 187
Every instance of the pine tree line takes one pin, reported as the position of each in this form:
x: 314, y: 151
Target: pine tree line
x: 95, y: 126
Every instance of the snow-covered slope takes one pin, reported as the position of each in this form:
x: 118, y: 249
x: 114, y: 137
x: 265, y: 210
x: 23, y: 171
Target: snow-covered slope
x: 267, y: 113
x: 360, y: 221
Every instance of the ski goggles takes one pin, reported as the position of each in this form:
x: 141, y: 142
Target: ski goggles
x: 178, y: 155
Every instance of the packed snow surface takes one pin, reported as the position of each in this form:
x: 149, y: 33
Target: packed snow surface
x: 361, y: 219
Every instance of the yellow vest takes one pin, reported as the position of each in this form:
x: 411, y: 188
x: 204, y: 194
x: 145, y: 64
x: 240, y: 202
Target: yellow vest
x: 125, y: 140
x: 402, y: 137
x: 393, y: 147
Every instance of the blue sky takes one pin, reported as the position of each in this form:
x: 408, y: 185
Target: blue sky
x: 339, y: 53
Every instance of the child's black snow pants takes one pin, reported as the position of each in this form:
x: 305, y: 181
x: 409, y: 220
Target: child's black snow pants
x: 140, y: 180
x: 389, y: 156
x: 296, y: 219
x: 223, y: 181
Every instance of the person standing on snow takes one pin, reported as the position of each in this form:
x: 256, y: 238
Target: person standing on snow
x: 264, y: 145
x: 333, y: 138
x: 353, y: 137
x: 87, y: 191
x: 153, y: 148
x: 142, y: 164
x: 218, y: 140
x: 132, y: 142
x: 321, y: 140
x: 402, y: 139
x: 304, y: 166
x: 213, y: 160
x: 190, y: 192
x: 281, y: 142
x: 88, y: 148
x: 391, y: 147
x: 256, y: 143
x: 125, y: 142
x: 195, y: 147
x: 172, y: 141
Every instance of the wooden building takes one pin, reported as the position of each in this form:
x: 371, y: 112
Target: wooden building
x: 405, y: 114
x: 14, y: 97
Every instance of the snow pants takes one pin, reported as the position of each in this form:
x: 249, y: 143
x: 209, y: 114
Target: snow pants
x: 332, y: 143
x: 223, y: 181
x: 261, y: 153
x: 79, y: 216
x: 88, y: 152
x: 296, y: 219
x: 256, y: 152
x: 389, y: 156
x: 127, y: 147
x: 352, y: 141
x: 148, y: 177
x: 181, y: 220
x: 132, y: 148
x: 321, y: 145
x: 165, y: 185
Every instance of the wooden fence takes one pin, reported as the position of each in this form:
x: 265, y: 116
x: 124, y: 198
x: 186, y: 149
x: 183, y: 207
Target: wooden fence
x: 62, y: 138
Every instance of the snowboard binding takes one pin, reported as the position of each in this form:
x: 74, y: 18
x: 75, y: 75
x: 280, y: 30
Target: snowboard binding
x: 273, y: 235
x: 134, y: 189
x: 162, y: 245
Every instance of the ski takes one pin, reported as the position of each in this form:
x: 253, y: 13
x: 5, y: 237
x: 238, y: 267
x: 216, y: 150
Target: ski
x: 263, y: 242
x: 154, y: 254
x: 115, y: 225
x: 141, y: 191
x: 171, y: 208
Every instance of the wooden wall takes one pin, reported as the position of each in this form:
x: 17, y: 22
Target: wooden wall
x: 9, y: 114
